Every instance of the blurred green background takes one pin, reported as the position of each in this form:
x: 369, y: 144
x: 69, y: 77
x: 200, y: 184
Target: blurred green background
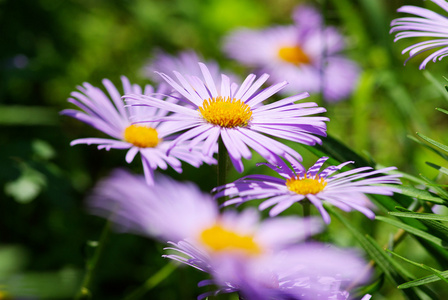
x: 48, y: 47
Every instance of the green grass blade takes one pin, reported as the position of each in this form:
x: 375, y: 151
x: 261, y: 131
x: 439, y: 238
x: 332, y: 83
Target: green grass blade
x: 424, y: 216
x: 433, y: 142
x: 412, y: 230
x: 435, y: 83
x: 419, y: 265
x: 436, y: 187
x: 441, y: 154
x: 442, y: 170
x: 441, y: 109
x: 420, y: 194
x: 423, y: 280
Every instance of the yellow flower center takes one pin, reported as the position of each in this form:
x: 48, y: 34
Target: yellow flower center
x: 220, y: 239
x: 306, y: 185
x: 294, y: 55
x: 226, y: 112
x: 141, y: 136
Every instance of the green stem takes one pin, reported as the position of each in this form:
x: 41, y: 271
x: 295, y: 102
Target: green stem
x: 306, y: 206
x: 222, y: 162
x: 92, y: 264
x: 152, y: 281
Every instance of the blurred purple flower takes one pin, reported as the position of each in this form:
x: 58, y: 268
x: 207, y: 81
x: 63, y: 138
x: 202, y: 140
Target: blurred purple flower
x: 185, y: 62
x: 305, y: 54
x: 110, y: 116
x: 427, y: 24
x: 237, y: 115
x: 173, y: 211
x: 344, y: 190
x: 306, y: 271
x: 257, y: 259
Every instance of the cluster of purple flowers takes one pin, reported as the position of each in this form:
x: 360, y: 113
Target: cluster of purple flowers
x: 184, y: 119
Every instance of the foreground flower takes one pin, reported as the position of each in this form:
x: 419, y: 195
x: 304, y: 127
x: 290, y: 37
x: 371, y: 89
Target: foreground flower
x: 309, y: 271
x: 305, y: 54
x: 257, y: 259
x: 185, y: 62
x: 110, y: 116
x: 173, y: 211
x: 344, y: 190
x: 237, y: 116
x: 427, y: 24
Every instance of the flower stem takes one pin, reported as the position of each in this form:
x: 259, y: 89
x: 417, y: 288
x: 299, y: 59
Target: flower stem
x: 92, y: 263
x: 306, y: 207
x: 222, y: 162
x: 152, y: 281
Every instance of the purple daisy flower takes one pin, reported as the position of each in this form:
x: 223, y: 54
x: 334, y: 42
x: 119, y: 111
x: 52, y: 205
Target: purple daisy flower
x: 238, y: 116
x: 426, y: 23
x: 344, y: 190
x: 306, y: 271
x: 169, y: 211
x: 110, y: 116
x: 305, y: 54
x: 185, y: 62
x: 258, y: 259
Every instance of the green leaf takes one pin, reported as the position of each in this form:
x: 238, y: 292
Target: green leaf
x: 424, y: 216
x: 433, y: 142
x: 433, y: 224
x: 435, y: 83
x: 420, y: 194
x: 443, y: 155
x: 424, y: 267
x: 417, y: 232
x: 423, y: 280
x: 441, y: 109
x: 436, y: 187
x: 439, y: 168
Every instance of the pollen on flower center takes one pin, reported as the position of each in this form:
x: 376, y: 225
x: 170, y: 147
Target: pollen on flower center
x: 306, y: 185
x: 294, y: 55
x: 141, y: 136
x: 226, y: 112
x: 220, y: 239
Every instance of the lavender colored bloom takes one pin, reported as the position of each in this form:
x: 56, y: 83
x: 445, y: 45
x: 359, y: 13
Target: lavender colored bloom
x: 258, y: 259
x: 238, y: 116
x: 110, y: 116
x: 306, y: 271
x: 344, y: 190
x: 427, y: 24
x: 173, y: 211
x: 305, y: 54
x: 185, y: 62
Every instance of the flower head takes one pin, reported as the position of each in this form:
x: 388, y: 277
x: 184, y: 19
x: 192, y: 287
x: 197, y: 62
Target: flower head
x: 173, y: 211
x: 305, y: 54
x: 238, y: 116
x: 425, y: 23
x: 258, y: 259
x: 110, y: 116
x: 344, y: 190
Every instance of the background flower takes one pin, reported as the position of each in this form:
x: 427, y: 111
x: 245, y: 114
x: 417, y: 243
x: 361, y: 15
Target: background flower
x: 184, y: 62
x: 305, y: 54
